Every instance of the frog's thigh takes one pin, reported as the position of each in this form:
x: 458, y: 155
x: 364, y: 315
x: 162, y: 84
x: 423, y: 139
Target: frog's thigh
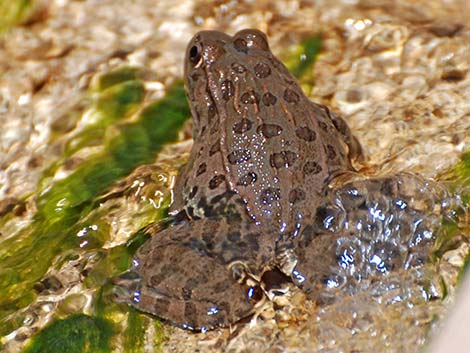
x: 183, y: 283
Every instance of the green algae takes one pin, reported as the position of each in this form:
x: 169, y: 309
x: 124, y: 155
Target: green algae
x: 458, y: 180
x: 25, y: 258
x: 137, y: 326
x: 159, y: 337
x: 303, y: 56
x: 301, y: 59
x: 114, y: 104
x: 455, y: 231
x: 118, y: 95
x: 118, y: 101
x: 115, y: 260
x: 13, y: 12
x: 117, y: 76
x: 76, y: 334
x: 135, y: 332
x: 459, y: 175
x: 461, y: 172
x: 133, y: 144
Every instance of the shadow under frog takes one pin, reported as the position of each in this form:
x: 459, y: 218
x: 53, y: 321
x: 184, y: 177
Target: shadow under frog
x: 253, y: 194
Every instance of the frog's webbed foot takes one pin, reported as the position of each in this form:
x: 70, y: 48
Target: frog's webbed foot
x: 191, y: 276
x: 311, y: 264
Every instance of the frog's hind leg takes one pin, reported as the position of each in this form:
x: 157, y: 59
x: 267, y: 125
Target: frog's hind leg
x: 194, y: 274
x: 187, y: 288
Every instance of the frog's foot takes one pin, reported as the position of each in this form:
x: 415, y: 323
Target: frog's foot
x: 312, y: 266
x: 182, y: 278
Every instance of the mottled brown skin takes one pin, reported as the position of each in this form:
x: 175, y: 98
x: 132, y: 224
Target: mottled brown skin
x: 262, y: 159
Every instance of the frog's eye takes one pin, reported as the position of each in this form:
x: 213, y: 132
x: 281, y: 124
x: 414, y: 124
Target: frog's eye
x: 253, y: 39
x: 194, y: 54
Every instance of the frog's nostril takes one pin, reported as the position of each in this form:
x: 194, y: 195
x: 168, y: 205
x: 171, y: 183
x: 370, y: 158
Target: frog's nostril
x: 194, y: 54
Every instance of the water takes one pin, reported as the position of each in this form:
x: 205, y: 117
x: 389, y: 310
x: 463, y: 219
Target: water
x: 84, y: 168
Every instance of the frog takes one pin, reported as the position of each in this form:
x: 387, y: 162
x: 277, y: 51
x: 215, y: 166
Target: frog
x: 263, y: 158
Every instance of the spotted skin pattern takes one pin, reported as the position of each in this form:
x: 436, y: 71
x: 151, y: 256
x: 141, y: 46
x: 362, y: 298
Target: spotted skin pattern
x: 262, y: 159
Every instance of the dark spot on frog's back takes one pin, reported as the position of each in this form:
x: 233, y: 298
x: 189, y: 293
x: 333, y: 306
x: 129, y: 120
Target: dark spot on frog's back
x: 227, y: 195
x: 239, y: 156
x: 296, y: 195
x: 237, y: 68
x: 249, y: 97
x: 156, y: 279
x: 247, y: 179
x: 262, y: 70
x: 211, y: 112
x: 290, y: 96
x: 214, y: 148
x: 216, y: 181
x: 284, y: 159
x: 234, y: 237
x: 193, y: 192
x: 161, y: 305
x: 227, y: 89
x: 339, y: 124
x: 186, y: 293
x: 208, y: 240
x: 269, y: 99
x: 242, y: 126
x: 195, y: 76
x: 306, y: 134
x: 312, y: 167
x: 269, y: 130
x: 270, y: 195
x: 331, y: 152
x: 323, y: 126
x: 201, y: 169
x: 253, y: 241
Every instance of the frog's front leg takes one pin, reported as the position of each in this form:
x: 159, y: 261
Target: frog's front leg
x: 197, y: 275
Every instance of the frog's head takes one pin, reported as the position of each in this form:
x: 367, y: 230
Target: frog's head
x: 215, y: 66
x: 209, y: 47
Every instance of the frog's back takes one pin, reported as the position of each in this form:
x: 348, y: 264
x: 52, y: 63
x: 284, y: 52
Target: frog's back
x: 257, y: 136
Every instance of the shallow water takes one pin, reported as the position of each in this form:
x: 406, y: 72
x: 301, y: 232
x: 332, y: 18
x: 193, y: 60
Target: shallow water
x: 90, y: 107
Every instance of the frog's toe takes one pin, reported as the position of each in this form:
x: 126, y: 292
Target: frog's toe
x: 198, y: 315
x: 126, y: 286
x: 316, y: 271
